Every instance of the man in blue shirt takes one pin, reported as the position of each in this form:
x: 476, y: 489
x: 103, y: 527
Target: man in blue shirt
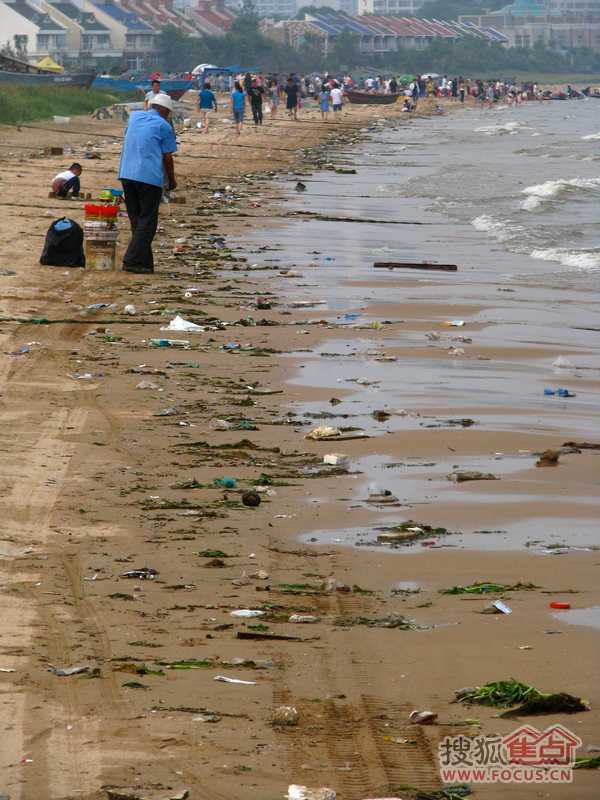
x: 145, y: 162
x: 206, y: 103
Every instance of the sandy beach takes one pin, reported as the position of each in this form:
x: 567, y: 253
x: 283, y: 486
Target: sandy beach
x: 111, y: 452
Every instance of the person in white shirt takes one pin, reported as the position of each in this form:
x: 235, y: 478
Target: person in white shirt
x: 68, y: 181
x: 337, y: 98
x: 155, y: 90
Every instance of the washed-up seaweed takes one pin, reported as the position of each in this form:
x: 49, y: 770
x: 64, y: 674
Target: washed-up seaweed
x: 391, y: 621
x: 486, y: 587
x: 587, y: 762
x: 528, y: 700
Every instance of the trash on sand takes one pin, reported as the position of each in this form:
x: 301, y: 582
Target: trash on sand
x: 485, y: 586
x: 130, y: 309
x: 560, y: 605
x: 7, y: 669
x: 180, y: 324
x: 433, y: 336
x: 408, y: 531
x: 251, y: 499
x: 390, y: 621
x: 549, y: 458
x: 527, y: 699
x: 135, y: 793
x: 219, y: 425
x: 225, y: 482
x: 207, y: 717
x: 143, y: 573
x: 454, y: 323
x: 471, y: 475
x: 247, y: 613
x: 456, y: 351
x: 423, y: 717
x: 502, y: 607
x: 336, y: 459
x: 304, y: 618
x: 147, y: 385
x: 64, y: 672
x: 560, y: 392
x: 285, y: 715
x: 225, y: 679
x: 561, y: 361
x: 169, y: 342
x: 170, y: 411
x: 297, y: 792
x: 323, y: 432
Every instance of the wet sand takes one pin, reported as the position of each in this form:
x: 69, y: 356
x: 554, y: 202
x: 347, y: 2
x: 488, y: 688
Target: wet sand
x: 93, y: 486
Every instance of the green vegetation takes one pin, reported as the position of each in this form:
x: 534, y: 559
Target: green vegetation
x: 21, y: 104
x: 487, y: 588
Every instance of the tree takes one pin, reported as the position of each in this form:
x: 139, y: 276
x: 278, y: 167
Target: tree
x: 344, y: 52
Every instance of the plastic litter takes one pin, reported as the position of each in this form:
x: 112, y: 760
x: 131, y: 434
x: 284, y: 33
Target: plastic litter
x: 183, y: 325
x: 130, y: 309
x: 285, y: 715
x: 560, y: 605
x: 226, y: 482
x: 455, y: 323
x: 502, y: 607
x: 143, y: 573
x: 147, y: 385
x: 224, y: 679
x: 336, y: 459
x: 169, y: 342
x: 303, y: 618
x: 247, y: 613
x: 220, y: 425
x: 7, y: 669
x: 323, y: 432
x: 563, y: 362
x: 423, y: 717
x: 64, y: 672
x: 297, y: 792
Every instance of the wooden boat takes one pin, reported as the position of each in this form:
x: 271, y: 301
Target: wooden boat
x: 367, y: 99
x: 17, y: 72
x: 174, y: 88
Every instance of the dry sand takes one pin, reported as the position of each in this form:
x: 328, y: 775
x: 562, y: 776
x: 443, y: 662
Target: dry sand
x: 90, y: 480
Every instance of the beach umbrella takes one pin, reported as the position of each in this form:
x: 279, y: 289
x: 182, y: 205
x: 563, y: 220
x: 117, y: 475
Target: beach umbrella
x: 407, y: 78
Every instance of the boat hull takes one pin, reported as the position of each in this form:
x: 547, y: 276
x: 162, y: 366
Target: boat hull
x: 175, y: 88
x: 81, y: 80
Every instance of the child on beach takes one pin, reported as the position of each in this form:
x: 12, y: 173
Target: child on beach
x: 68, y: 181
x: 324, y: 100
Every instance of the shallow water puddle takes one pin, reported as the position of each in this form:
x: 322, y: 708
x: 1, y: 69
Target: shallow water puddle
x: 589, y: 617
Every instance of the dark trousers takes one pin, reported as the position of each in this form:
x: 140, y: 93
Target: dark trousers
x: 142, y: 201
x: 257, y: 112
x: 72, y: 185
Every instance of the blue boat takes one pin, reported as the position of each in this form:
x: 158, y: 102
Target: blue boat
x: 175, y: 88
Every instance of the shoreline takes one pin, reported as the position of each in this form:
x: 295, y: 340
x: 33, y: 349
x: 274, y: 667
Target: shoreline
x: 90, y: 485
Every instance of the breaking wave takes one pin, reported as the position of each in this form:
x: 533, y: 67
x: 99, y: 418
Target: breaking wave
x: 580, y: 259
x: 508, y: 128
x: 548, y: 191
x: 501, y: 229
x: 591, y: 137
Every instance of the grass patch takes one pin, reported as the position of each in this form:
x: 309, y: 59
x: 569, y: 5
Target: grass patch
x: 21, y: 104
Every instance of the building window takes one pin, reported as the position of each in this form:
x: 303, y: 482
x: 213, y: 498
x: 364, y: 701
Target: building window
x: 20, y: 42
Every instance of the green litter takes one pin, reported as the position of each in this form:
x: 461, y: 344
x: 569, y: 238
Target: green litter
x: 134, y: 685
x: 487, y: 587
x: 137, y: 669
x: 212, y: 554
x: 188, y: 663
x: 260, y: 626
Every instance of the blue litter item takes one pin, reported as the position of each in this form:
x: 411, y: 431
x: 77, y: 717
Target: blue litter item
x: 351, y: 317
x: 564, y: 393
x: 63, y: 225
x: 548, y: 391
x: 231, y: 346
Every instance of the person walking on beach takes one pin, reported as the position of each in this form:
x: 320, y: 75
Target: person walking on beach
x: 324, y: 100
x: 146, y: 159
x: 68, y: 181
x: 238, y: 106
x: 337, y: 99
x: 274, y: 97
x: 154, y: 90
x: 207, y: 103
x: 256, y: 102
x: 291, y: 90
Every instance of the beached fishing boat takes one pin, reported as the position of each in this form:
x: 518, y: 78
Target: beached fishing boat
x: 174, y: 88
x: 17, y: 72
x: 367, y: 99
